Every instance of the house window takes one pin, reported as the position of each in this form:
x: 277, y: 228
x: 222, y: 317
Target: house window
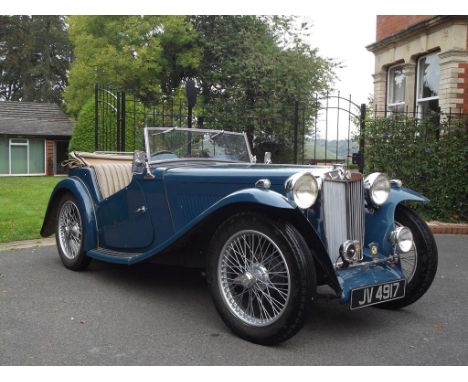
x: 21, y: 156
x: 396, y: 90
x: 428, y: 77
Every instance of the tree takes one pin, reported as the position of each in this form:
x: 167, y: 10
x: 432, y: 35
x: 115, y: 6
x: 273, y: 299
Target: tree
x: 34, y: 57
x: 83, y: 134
x: 146, y: 54
x: 253, y: 71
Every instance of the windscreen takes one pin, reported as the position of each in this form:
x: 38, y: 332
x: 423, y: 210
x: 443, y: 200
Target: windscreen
x: 178, y: 143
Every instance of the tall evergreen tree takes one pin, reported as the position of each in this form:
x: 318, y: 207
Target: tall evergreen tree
x: 35, y: 54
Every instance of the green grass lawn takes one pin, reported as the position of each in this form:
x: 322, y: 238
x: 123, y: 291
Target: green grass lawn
x: 23, y: 201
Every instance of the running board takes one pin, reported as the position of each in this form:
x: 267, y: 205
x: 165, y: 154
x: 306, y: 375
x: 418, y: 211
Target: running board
x: 111, y: 256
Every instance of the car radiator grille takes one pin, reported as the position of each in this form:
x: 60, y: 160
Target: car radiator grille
x: 343, y: 202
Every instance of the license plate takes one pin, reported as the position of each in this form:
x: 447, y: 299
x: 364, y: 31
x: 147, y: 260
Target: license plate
x: 376, y: 294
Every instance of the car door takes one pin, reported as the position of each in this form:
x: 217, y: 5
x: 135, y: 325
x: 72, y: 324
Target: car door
x: 124, y: 220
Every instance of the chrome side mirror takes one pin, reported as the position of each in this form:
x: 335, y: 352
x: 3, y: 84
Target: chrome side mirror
x: 267, y: 158
x: 139, y: 161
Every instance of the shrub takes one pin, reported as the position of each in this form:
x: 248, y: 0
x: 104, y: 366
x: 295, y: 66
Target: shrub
x: 83, y: 138
x: 83, y: 134
x: 428, y: 156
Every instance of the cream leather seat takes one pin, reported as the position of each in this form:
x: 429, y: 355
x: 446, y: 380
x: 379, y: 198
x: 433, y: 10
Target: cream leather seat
x: 113, y: 171
x: 112, y: 177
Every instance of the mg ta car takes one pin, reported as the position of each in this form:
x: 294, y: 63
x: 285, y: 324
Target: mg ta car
x: 268, y: 235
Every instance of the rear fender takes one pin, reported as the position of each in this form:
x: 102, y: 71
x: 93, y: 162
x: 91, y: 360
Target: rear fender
x: 77, y: 188
x: 382, y: 219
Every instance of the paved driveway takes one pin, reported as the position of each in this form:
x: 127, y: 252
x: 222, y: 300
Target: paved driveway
x: 153, y: 315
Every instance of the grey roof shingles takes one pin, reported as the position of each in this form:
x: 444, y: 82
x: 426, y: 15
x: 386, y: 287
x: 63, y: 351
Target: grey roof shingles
x: 34, y: 118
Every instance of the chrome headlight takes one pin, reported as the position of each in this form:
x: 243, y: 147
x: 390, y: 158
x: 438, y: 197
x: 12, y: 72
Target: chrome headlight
x: 377, y: 188
x: 303, y: 189
x: 402, y: 238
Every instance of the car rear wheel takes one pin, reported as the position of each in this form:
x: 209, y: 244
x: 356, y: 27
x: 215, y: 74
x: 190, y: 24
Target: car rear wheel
x: 69, y: 234
x: 261, y: 277
x: 419, y: 265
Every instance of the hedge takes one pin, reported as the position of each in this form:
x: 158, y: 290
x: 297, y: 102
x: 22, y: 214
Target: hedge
x: 428, y: 156
x: 83, y: 138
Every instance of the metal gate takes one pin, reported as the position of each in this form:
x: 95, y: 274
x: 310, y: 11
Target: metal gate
x: 328, y: 128
x: 338, y: 129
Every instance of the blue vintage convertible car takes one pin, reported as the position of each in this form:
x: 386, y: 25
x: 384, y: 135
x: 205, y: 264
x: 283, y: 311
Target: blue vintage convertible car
x: 268, y: 235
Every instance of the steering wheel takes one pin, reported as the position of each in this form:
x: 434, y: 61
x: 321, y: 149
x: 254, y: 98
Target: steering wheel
x: 166, y: 153
x: 162, y: 152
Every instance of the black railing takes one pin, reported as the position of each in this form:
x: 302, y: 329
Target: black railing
x: 321, y: 129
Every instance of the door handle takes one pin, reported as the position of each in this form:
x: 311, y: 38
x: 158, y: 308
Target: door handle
x: 141, y: 210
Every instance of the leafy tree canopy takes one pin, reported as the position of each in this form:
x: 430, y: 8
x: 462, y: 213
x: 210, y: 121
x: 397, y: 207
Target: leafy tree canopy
x: 253, y: 71
x: 149, y: 54
x: 266, y: 56
x: 34, y: 57
x: 256, y: 56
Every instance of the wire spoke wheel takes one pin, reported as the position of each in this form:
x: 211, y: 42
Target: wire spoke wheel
x: 70, y: 230
x: 254, y: 278
x: 409, y: 260
x: 419, y: 265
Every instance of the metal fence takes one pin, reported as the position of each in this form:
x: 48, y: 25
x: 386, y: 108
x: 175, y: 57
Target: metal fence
x: 423, y: 125
x: 325, y: 128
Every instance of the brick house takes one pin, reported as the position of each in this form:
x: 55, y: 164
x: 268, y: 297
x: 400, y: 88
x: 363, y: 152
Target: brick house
x: 421, y: 64
x: 34, y: 138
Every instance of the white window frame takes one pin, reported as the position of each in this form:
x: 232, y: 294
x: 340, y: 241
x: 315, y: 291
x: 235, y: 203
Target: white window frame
x: 421, y: 100
x: 390, y: 105
x: 26, y: 143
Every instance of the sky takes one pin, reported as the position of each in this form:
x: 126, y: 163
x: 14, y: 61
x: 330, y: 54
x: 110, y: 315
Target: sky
x: 345, y: 40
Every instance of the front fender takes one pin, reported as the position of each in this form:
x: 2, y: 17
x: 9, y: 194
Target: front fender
x: 277, y: 206
x: 255, y: 195
x: 380, y: 223
x: 76, y: 187
x: 252, y: 196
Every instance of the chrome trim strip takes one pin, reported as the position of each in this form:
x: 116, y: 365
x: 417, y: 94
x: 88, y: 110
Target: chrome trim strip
x: 372, y: 263
x: 246, y: 138
x: 193, y: 129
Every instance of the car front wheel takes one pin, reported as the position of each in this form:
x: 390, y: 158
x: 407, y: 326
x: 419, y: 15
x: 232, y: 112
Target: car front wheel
x: 419, y: 265
x: 261, y: 277
x: 69, y: 234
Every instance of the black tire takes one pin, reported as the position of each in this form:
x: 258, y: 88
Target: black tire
x: 80, y: 261
x: 302, y: 281
x: 427, y: 258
